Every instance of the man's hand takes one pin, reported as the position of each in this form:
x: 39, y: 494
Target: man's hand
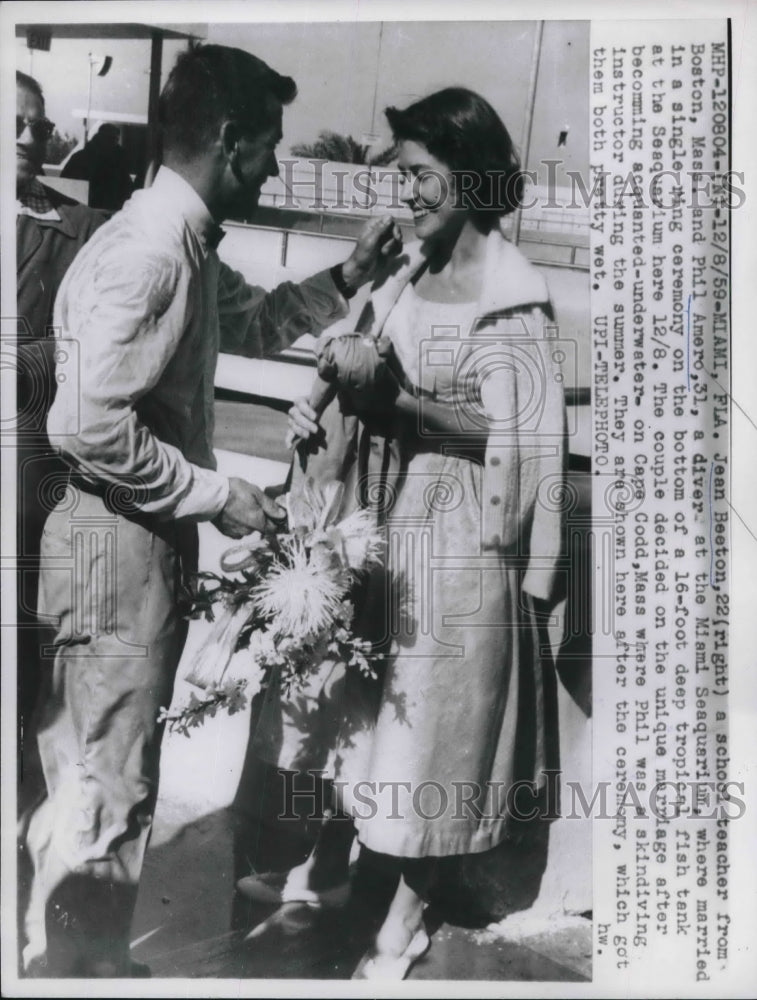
x: 247, y: 509
x: 380, y: 238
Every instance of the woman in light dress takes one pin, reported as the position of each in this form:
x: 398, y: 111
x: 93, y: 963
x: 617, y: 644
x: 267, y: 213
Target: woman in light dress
x: 461, y: 452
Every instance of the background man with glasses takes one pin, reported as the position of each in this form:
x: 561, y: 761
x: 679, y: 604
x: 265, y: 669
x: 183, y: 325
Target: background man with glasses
x: 50, y: 231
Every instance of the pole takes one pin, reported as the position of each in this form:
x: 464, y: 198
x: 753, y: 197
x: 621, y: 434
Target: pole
x: 528, y: 125
x: 375, y: 87
x: 89, y: 101
x: 153, y: 137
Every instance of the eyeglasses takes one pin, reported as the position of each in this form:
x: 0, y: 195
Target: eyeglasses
x: 41, y: 128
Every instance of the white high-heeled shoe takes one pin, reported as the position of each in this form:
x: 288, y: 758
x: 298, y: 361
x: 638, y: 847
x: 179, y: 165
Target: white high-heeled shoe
x: 374, y: 965
x: 274, y: 888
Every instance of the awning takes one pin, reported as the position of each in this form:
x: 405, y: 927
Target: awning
x: 111, y: 30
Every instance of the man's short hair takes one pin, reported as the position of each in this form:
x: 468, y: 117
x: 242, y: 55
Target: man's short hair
x: 29, y: 83
x: 211, y: 84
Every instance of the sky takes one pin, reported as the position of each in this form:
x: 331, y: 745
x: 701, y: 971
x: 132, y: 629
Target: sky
x: 348, y: 72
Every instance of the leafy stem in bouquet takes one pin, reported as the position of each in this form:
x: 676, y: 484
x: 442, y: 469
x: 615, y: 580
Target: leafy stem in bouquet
x: 205, y: 588
x: 229, y: 696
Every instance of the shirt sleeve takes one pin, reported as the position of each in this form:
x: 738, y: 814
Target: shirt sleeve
x: 257, y: 323
x: 128, y: 316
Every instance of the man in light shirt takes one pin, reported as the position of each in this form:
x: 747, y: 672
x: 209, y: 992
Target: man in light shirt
x: 150, y: 306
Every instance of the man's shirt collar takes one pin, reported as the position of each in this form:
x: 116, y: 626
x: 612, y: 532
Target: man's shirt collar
x: 34, y: 200
x: 187, y: 201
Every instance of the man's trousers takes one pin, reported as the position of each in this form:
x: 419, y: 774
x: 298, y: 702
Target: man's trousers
x: 110, y: 581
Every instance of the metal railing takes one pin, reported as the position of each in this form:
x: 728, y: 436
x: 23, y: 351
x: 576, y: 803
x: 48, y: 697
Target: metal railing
x: 542, y: 245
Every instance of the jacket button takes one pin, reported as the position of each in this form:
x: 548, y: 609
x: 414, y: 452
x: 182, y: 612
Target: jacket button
x: 494, y: 460
x: 495, y: 501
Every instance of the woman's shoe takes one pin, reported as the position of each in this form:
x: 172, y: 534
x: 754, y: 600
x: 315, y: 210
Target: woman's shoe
x: 274, y: 888
x: 376, y: 966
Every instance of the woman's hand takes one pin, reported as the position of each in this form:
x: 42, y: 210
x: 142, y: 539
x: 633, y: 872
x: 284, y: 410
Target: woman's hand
x: 303, y: 422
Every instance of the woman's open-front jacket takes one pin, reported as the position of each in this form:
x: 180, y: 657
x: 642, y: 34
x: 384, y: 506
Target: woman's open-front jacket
x: 513, y: 350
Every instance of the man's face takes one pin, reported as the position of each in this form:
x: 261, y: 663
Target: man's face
x: 30, y: 144
x: 255, y: 161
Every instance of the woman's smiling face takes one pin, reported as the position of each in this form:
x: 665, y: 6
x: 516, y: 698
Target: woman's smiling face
x: 428, y: 189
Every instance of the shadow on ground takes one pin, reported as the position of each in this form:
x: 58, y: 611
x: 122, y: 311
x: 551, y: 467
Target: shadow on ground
x: 191, y: 923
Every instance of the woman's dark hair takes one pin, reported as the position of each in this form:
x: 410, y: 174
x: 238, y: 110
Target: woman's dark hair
x: 463, y: 130
x: 210, y: 84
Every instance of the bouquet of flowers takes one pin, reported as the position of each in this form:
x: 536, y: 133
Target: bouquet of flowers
x: 286, y: 598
